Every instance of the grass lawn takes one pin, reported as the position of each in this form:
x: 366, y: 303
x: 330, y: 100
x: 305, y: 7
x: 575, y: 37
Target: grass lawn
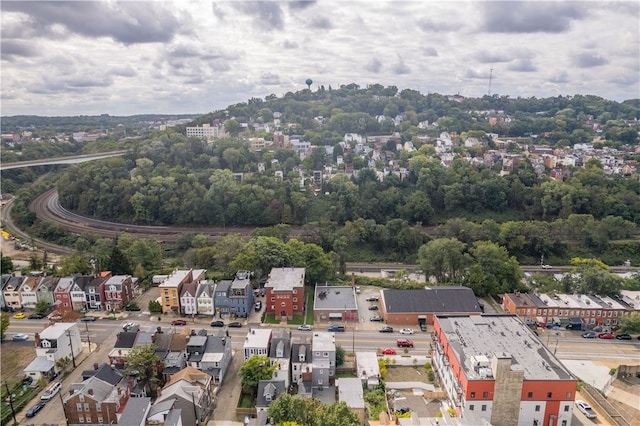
x: 246, y: 401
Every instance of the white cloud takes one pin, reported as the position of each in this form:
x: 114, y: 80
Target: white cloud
x: 121, y: 58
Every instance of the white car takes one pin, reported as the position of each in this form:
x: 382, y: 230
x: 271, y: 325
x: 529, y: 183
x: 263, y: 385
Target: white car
x: 586, y: 409
x: 305, y: 327
x: 406, y: 331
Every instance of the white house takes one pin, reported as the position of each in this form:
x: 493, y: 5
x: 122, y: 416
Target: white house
x: 257, y: 342
x: 188, y: 304
x: 60, y: 340
x: 204, y: 298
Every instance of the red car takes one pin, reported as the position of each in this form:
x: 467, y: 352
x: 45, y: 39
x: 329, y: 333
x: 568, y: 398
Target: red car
x: 388, y: 351
x: 606, y: 336
x: 178, y: 322
x: 405, y: 343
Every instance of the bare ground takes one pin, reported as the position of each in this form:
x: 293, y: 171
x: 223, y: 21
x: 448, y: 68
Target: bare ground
x: 14, y: 358
x: 406, y: 374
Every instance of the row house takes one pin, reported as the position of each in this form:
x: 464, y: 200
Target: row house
x: 171, y: 288
x: 234, y: 298
x: 285, y: 292
x: 257, y: 342
x: 62, y: 294
x: 94, y: 292
x: 323, y: 364
x: 204, y: 298
x: 564, y: 309
x: 216, y: 357
x: 192, y: 391
x: 45, y: 290
x: 280, y: 354
x: 11, y: 293
x: 77, y: 293
x: 96, y: 401
x: 28, y: 290
x: 188, y: 293
x: 118, y: 292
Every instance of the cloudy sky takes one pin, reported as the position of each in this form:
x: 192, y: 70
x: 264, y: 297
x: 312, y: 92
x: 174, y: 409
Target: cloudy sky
x: 126, y: 57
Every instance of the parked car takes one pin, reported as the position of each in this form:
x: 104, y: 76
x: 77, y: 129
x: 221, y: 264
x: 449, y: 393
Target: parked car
x: 178, y: 322
x: 235, y: 324
x: 35, y: 316
x: 373, y: 307
x: 589, y: 335
x: 623, y: 336
x: 546, y: 266
x: 423, y: 326
x: 258, y: 306
x: 388, y: 351
x: 305, y: 327
x: 20, y: 315
x: 88, y: 318
x: 217, y: 323
x: 34, y: 410
x: 386, y: 329
x: 20, y: 336
x: 335, y: 327
x: 404, y: 343
x: 376, y: 318
x: 372, y: 299
x: 606, y: 336
x: 51, y: 391
x: 406, y: 331
x: 586, y: 409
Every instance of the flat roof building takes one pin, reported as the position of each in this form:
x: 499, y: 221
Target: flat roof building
x: 495, y: 368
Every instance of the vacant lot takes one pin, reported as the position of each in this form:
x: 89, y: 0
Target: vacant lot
x: 406, y: 374
x: 14, y: 359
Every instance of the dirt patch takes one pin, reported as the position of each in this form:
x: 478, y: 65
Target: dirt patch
x: 14, y: 358
x: 406, y: 374
x: 624, y: 397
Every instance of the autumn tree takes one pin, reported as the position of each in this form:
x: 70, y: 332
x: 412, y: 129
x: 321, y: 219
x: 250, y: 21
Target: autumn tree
x: 311, y: 412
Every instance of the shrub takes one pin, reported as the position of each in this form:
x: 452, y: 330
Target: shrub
x: 155, y: 306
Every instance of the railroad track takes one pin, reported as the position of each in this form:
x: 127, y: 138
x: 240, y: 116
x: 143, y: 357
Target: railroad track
x: 48, y: 209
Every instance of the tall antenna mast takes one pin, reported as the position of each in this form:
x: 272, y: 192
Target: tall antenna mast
x: 490, y: 76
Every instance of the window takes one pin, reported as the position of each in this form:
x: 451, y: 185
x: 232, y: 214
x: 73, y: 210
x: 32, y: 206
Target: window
x: 88, y: 419
x: 566, y: 408
x: 473, y: 394
x: 98, y: 407
x: 549, y: 394
x: 295, y: 299
x: 485, y: 394
x: 81, y: 419
x: 471, y: 407
x: 529, y: 395
x: 295, y: 292
x: 100, y: 420
x: 283, y: 304
x: 79, y: 406
x: 569, y: 395
x: 564, y: 423
x: 273, y: 299
x: 537, y: 408
x: 86, y: 406
x: 295, y: 307
x: 483, y: 408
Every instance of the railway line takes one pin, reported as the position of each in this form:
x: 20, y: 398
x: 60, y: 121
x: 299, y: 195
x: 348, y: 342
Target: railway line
x: 48, y: 209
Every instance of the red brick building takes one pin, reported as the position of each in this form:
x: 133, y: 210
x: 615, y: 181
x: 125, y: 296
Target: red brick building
x: 285, y: 292
x: 496, y: 370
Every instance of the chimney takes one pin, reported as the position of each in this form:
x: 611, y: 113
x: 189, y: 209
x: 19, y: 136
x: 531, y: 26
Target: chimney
x: 119, y: 351
x: 95, y: 365
x: 70, y: 391
x: 90, y: 391
x: 353, y: 279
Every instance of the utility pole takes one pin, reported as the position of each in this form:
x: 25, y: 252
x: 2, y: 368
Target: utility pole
x: 11, y: 403
x: 64, y: 410
x: 86, y: 324
x: 73, y: 357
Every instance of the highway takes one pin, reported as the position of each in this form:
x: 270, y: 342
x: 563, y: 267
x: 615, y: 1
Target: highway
x: 71, y: 159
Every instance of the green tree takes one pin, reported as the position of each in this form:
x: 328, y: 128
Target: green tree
x: 75, y: 264
x: 118, y: 263
x: 339, y: 355
x: 493, y: 270
x: 6, y: 264
x: 42, y: 307
x: 143, y: 362
x: 444, y: 259
x: 630, y: 323
x: 255, y: 369
x: 286, y: 408
x: 337, y: 414
x: 154, y: 306
x: 4, y: 324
